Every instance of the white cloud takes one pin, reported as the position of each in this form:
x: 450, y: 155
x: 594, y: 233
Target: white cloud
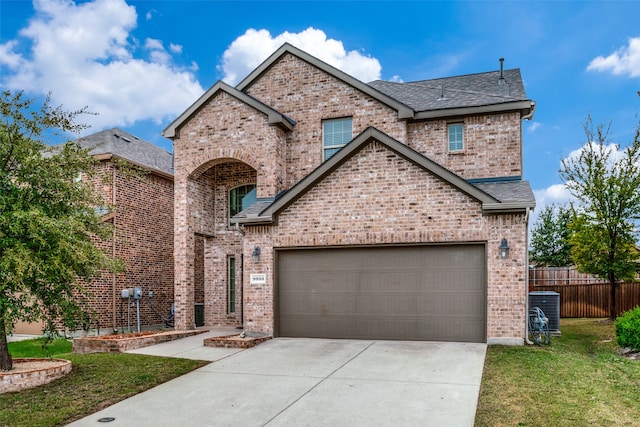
x: 153, y: 44
x: 534, y: 126
x: 625, y: 60
x: 613, y: 150
x: 85, y: 54
x: 250, y: 49
x: 556, y: 194
x: 157, y: 51
x: 150, y: 14
x: 175, y: 48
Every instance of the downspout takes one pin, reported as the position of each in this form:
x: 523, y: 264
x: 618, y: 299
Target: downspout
x: 529, y: 116
x: 526, y: 267
x: 526, y: 284
x: 242, y: 291
x: 113, y: 246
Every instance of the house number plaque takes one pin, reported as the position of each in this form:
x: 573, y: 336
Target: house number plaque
x: 258, y: 279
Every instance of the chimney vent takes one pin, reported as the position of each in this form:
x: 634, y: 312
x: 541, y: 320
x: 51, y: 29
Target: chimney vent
x: 501, y: 80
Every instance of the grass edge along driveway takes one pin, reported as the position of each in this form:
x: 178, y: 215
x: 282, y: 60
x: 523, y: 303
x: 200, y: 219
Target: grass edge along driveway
x: 97, y: 380
x: 579, y: 380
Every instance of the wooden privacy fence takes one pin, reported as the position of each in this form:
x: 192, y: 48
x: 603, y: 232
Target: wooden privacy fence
x: 582, y: 295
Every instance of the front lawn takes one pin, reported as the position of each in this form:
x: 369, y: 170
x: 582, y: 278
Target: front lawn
x: 96, y: 381
x: 578, y: 380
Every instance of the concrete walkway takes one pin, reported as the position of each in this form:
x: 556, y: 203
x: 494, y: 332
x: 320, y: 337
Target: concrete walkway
x: 310, y: 382
x: 21, y: 337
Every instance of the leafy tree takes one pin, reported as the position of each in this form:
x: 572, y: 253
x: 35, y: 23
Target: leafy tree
x: 606, y: 181
x: 550, y: 238
x: 48, y: 221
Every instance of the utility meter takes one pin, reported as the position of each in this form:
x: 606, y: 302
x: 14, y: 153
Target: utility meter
x: 137, y: 293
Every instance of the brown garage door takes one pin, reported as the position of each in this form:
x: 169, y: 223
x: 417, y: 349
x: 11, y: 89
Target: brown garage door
x: 434, y: 293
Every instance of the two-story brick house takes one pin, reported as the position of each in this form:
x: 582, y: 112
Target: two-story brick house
x: 134, y: 178
x: 315, y: 205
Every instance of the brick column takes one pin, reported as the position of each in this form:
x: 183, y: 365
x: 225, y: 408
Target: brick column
x: 183, y: 258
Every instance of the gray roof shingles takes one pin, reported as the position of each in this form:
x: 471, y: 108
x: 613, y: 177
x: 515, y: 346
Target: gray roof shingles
x: 472, y: 90
x: 129, y: 147
x: 255, y: 209
x: 508, y: 191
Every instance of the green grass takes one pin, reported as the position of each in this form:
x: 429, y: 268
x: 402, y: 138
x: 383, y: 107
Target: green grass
x: 96, y: 381
x: 39, y: 348
x: 578, y: 380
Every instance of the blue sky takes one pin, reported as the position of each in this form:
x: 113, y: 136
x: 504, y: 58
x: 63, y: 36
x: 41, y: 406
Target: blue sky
x: 139, y: 64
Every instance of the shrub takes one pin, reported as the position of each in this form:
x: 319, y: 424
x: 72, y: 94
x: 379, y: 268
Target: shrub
x: 628, y: 329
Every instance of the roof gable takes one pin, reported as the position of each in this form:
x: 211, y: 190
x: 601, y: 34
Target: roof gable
x: 489, y: 203
x: 275, y: 118
x: 403, y: 110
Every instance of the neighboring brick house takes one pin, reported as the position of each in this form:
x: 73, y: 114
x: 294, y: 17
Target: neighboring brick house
x: 143, y: 218
x: 315, y: 205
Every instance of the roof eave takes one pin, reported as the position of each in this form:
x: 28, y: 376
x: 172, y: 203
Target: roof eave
x: 252, y: 220
x: 149, y: 169
x: 507, y: 207
x: 526, y: 109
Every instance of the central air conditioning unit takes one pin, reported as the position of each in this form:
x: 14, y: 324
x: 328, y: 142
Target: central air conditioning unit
x: 549, y: 302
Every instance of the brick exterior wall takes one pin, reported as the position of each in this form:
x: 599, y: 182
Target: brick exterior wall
x: 144, y: 241
x: 492, y: 145
x: 312, y: 95
x: 214, y: 240
x: 375, y: 197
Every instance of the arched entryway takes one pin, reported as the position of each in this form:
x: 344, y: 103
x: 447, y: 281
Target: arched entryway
x: 213, y: 285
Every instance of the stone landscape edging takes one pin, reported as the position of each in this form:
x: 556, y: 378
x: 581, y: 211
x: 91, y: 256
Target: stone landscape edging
x: 20, y: 380
x: 106, y: 344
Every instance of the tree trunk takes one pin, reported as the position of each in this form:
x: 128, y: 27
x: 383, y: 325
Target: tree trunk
x: 6, y: 363
x: 612, y: 295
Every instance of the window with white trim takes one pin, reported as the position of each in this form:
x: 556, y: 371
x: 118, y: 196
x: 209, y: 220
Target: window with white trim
x: 336, y: 133
x: 456, y: 136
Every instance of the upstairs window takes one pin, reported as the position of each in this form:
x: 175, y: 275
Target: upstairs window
x: 336, y: 134
x: 456, y: 137
x: 241, y: 198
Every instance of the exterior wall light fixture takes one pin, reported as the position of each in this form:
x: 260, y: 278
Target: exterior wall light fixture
x: 255, y: 255
x: 504, y: 249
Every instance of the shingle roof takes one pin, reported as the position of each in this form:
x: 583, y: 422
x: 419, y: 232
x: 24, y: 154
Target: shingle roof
x: 255, y: 209
x: 509, y: 191
x: 472, y: 90
x: 129, y: 147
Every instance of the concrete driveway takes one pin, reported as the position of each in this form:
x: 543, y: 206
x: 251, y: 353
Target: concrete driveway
x: 312, y: 382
